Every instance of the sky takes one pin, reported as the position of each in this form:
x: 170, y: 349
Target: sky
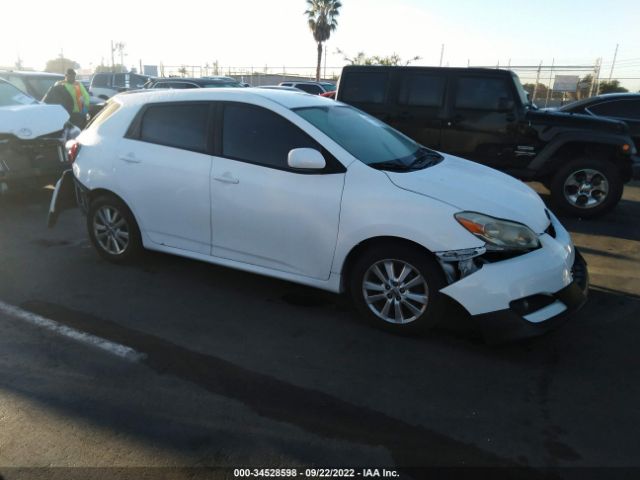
x: 257, y: 33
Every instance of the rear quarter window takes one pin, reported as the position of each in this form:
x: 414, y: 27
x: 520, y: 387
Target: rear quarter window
x: 181, y: 126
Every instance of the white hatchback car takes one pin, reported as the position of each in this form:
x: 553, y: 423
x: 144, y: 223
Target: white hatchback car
x: 316, y: 192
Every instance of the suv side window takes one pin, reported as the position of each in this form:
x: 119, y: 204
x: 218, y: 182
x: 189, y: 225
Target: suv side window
x: 176, y: 125
x: 422, y: 90
x: 120, y: 80
x: 618, y: 108
x: 364, y: 87
x: 482, y: 93
x: 306, y: 87
x: 100, y: 80
x: 257, y: 135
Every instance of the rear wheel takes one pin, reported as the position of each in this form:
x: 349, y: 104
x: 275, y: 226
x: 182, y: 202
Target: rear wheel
x: 396, y: 287
x: 113, y: 230
x: 586, y: 188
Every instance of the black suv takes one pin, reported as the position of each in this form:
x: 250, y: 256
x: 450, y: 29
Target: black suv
x: 485, y: 115
x: 201, y: 82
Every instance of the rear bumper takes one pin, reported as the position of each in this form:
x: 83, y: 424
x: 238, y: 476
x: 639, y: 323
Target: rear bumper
x: 509, y: 325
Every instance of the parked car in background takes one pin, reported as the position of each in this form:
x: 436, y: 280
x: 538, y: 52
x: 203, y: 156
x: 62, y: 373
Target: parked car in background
x: 315, y: 88
x: 309, y: 190
x: 32, y: 138
x: 485, y: 115
x: 201, y: 82
x: 619, y: 106
x: 106, y: 85
x: 37, y: 84
x: 280, y: 87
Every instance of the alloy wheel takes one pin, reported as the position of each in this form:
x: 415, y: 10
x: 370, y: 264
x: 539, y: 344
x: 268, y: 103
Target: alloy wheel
x: 395, y: 291
x: 111, y: 230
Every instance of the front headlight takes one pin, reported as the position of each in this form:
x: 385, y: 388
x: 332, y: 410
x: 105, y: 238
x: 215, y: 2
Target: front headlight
x: 499, y: 234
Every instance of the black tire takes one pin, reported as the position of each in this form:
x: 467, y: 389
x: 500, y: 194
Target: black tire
x: 416, y: 258
x: 607, y: 172
x: 123, y: 222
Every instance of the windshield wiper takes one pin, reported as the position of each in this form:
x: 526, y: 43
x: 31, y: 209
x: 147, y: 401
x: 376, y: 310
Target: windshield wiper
x: 390, y: 165
x: 425, y: 158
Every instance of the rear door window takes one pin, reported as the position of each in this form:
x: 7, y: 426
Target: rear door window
x: 422, y: 90
x: 181, y: 126
x: 100, y: 81
x: 364, y: 87
x: 618, y: 108
x: 480, y: 93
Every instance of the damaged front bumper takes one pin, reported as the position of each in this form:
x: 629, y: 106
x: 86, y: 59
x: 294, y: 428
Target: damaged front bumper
x: 28, y: 163
x: 522, y: 296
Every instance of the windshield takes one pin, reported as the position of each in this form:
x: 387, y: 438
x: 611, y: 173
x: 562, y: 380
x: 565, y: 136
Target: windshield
x: 222, y: 85
x: 41, y: 85
x: 363, y: 136
x: 10, y: 96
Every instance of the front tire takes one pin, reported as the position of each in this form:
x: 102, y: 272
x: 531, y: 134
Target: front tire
x: 586, y: 188
x: 113, y: 230
x: 396, y: 287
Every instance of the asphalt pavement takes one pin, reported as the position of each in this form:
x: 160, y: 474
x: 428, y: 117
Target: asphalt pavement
x: 238, y: 370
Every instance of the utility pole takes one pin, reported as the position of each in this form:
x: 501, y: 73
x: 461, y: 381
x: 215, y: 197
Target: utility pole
x: 113, y: 63
x: 441, y: 54
x: 325, y: 61
x: 535, y: 86
x: 546, y: 102
x: 613, y: 64
x: 596, y: 78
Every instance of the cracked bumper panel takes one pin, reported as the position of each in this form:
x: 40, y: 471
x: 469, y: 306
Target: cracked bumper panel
x: 508, y: 325
x: 545, y: 271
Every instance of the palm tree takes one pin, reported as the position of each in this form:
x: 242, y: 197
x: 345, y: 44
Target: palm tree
x: 321, y: 15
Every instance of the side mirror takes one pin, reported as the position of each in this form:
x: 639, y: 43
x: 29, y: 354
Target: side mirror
x: 306, y: 158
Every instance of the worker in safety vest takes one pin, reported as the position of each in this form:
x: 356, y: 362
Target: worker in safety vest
x: 72, y: 96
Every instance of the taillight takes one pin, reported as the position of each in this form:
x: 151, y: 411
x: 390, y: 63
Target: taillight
x: 72, y: 150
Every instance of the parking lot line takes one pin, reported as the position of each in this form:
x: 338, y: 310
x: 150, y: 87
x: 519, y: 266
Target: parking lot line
x: 117, y: 349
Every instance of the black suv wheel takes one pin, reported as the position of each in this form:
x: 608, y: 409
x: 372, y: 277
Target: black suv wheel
x: 586, y: 187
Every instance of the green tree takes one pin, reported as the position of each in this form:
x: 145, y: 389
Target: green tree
x: 60, y: 65
x: 362, y: 59
x: 612, y: 86
x: 117, y: 68
x: 183, y: 71
x: 322, y: 19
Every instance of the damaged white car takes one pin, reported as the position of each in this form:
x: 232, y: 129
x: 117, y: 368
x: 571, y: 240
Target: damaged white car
x: 32, y: 138
x: 313, y: 191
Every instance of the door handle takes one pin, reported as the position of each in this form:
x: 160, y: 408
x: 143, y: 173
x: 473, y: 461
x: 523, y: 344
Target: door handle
x: 454, y: 120
x: 129, y: 158
x: 227, y: 178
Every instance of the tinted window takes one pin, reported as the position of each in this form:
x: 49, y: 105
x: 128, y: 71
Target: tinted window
x: 119, y: 80
x: 260, y: 136
x: 364, y: 87
x: 422, y: 90
x: 180, y: 126
x: 482, y: 93
x: 313, y: 89
x: 100, y: 81
x: 179, y: 85
x: 618, y: 108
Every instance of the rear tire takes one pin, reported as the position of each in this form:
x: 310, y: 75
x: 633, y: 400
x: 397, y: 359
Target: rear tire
x: 396, y: 287
x: 586, y: 187
x: 113, y: 230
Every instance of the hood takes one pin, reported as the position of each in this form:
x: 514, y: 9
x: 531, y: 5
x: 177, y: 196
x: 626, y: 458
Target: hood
x: 32, y: 121
x: 549, y: 118
x: 473, y: 187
